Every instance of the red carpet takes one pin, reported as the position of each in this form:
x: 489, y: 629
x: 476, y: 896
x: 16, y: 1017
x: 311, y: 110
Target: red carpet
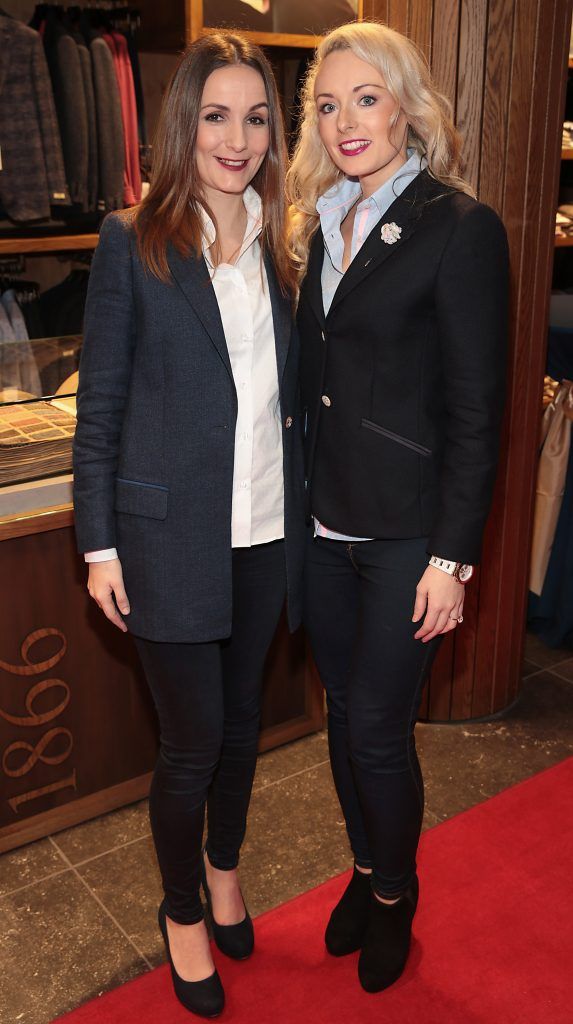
x: 494, y: 934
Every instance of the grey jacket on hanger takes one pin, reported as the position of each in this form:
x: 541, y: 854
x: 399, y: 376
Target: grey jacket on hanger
x: 92, y: 173
x: 111, y: 150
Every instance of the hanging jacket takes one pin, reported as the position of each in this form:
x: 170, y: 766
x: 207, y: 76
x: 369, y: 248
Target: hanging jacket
x: 32, y: 174
x: 111, y: 149
x: 65, y: 67
x: 122, y: 65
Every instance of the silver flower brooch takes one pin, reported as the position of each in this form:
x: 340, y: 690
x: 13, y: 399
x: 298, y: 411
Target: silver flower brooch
x: 390, y: 233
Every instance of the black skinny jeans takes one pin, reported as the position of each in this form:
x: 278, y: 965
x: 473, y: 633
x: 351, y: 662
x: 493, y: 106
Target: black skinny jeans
x: 359, y: 604
x: 208, y: 699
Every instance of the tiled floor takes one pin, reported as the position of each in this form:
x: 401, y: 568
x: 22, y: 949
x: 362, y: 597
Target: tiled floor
x: 77, y: 910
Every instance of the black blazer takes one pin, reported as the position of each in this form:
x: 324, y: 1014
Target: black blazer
x: 403, y: 381
x: 155, y: 440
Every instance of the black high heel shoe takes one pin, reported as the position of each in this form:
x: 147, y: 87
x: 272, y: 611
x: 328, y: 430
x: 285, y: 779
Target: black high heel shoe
x: 348, y: 922
x: 387, y: 941
x: 234, y: 940
x: 206, y: 997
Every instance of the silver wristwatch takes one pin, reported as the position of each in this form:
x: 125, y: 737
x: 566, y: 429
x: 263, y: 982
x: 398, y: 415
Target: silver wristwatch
x: 461, y: 572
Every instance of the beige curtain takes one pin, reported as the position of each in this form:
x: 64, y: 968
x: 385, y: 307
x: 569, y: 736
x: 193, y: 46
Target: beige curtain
x: 551, y: 474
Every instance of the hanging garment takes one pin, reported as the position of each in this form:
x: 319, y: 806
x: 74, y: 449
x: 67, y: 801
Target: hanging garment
x: 6, y: 329
x: 66, y: 73
x: 32, y: 177
x: 10, y: 304
x: 28, y: 295
x: 111, y: 149
x: 551, y: 476
x: 17, y: 360
x: 92, y: 175
x: 63, y: 305
x: 136, y: 71
x: 550, y: 616
x: 122, y: 65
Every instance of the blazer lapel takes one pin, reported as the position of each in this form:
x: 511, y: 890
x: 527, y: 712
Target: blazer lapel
x: 282, y: 317
x: 192, y: 276
x: 313, y: 280
x: 405, y: 213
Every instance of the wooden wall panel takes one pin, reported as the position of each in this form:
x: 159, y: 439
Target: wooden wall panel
x: 378, y: 9
x: 496, y: 100
x: 502, y: 64
x: 471, y: 71
x: 398, y: 15
x: 494, y: 635
x: 445, y: 45
x: 420, y: 25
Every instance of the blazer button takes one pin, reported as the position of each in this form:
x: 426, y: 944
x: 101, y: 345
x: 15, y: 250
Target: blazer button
x: 288, y: 422
x: 326, y: 401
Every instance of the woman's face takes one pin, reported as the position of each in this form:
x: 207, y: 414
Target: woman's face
x: 355, y: 113
x: 233, y: 130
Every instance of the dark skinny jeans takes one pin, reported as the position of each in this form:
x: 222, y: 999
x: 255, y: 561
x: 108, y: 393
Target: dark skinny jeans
x: 358, y: 613
x: 208, y: 699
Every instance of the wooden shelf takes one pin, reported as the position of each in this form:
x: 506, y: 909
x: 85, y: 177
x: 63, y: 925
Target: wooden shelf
x: 563, y: 240
x: 567, y: 154
x: 54, y: 243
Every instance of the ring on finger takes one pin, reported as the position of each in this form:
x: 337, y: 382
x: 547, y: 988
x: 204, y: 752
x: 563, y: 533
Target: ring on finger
x: 457, y: 618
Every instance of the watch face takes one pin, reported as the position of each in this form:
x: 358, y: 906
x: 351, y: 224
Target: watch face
x: 465, y: 573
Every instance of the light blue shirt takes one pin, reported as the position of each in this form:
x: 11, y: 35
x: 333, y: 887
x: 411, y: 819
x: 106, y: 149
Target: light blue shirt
x: 332, y: 208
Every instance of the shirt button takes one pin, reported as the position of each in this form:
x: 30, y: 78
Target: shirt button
x: 243, y: 385
x: 244, y: 484
x: 288, y: 422
x: 326, y: 401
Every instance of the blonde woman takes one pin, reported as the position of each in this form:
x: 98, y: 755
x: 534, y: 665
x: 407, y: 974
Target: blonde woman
x: 402, y: 318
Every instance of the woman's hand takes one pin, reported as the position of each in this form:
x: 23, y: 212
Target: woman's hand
x: 441, y: 598
x: 105, y: 582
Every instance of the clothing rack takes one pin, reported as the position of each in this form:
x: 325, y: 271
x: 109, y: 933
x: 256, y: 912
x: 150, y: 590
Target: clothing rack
x: 99, y: 15
x: 12, y: 264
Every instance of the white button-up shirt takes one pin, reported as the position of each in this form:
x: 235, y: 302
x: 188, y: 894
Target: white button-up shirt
x: 244, y: 303
x: 242, y: 293
x: 332, y: 208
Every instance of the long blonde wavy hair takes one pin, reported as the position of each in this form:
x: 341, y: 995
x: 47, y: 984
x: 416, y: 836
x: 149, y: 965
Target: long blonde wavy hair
x: 431, y: 130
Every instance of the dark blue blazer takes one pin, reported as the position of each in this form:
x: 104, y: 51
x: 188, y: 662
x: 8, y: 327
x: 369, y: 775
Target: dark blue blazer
x: 155, y: 439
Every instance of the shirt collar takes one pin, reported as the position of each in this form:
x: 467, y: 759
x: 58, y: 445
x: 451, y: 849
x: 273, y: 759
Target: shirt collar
x: 344, y: 193
x: 254, y: 208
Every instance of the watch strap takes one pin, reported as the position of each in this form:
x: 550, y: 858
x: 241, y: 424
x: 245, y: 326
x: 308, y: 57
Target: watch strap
x: 444, y: 564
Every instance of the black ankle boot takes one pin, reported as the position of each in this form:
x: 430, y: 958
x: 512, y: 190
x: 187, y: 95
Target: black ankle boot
x: 347, y: 925
x: 387, y: 940
x: 234, y: 940
x: 206, y: 997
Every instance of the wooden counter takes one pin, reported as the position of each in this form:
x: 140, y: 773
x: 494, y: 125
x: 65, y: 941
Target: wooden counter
x: 78, y: 731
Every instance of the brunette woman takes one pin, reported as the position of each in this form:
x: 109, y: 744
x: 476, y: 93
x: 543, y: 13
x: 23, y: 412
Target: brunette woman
x: 188, y: 470
x: 402, y: 319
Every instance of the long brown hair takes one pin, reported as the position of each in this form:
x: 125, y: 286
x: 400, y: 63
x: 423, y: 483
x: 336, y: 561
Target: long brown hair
x: 169, y: 212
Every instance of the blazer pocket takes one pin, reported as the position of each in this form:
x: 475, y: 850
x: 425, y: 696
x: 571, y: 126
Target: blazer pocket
x: 136, y: 498
x: 405, y: 441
